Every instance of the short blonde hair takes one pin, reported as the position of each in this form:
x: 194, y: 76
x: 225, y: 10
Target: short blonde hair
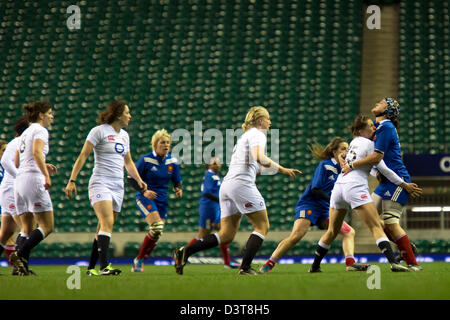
x: 158, y: 135
x: 253, y: 115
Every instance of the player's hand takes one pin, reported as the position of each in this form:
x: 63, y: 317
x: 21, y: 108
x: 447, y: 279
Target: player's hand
x: 413, y: 189
x: 290, y: 172
x: 51, y: 169
x: 345, y: 169
x: 71, y: 189
x: 47, y: 183
x: 142, y: 185
x: 178, y: 192
x: 341, y: 158
x: 149, y: 194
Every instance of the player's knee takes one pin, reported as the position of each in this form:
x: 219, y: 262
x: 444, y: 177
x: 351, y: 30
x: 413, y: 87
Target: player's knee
x: 156, y: 229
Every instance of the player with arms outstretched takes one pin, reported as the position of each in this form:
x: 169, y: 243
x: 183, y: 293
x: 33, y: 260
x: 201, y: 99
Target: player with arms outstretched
x: 239, y: 195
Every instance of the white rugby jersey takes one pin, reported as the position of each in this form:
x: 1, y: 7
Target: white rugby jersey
x: 8, y: 161
x: 110, y: 149
x: 33, y: 132
x: 360, y: 148
x: 242, y: 165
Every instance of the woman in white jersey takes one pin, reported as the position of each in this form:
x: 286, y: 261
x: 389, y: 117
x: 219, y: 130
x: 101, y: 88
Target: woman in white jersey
x: 239, y: 195
x: 10, y: 220
x: 33, y: 182
x: 353, y: 190
x: 111, y: 146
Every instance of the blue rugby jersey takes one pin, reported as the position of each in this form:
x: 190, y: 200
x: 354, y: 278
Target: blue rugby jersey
x: 211, y: 185
x: 324, y: 178
x: 388, y: 142
x: 157, y: 173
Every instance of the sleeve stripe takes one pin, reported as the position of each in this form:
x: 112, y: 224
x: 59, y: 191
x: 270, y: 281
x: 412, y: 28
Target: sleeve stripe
x: 379, y: 151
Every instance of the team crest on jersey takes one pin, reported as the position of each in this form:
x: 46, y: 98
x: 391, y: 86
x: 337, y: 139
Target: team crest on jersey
x: 149, y: 207
x: 309, y: 212
x: 248, y: 205
x: 170, y: 168
x: 111, y: 138
x: 11, y: 206
x: 37, y: 205
x: 364, y: 196
x: 120, y: 148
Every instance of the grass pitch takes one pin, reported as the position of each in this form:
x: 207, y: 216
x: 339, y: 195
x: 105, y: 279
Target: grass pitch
x: 213, y: 282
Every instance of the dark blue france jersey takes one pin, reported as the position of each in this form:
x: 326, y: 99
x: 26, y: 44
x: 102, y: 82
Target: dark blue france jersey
x: 324, y: 178
x: 157, y: 173
x: 388, y: 142
x: 211, y: 185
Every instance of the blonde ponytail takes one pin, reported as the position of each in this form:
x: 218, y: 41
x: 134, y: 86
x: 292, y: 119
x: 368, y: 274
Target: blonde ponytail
x: 253, y: 115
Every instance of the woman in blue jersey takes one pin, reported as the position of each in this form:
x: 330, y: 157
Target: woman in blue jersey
x: 209, y: 209
x: 156, y: 168
x: 313, y: 206
x: 389, y: 198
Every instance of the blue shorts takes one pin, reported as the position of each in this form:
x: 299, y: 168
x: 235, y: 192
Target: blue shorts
x: 315, y: 215
x: 389, y: 191
x: 147, y: 206
x: 209, y: 216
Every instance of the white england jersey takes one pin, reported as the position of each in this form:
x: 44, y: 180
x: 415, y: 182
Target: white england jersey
x: 110, y: 149
x: 33, y: 132
x: 359, y: 149
x: 8, y: 161
x: 242, y: 165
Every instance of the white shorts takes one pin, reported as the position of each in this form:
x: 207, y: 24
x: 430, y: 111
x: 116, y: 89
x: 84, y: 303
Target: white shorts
x: 238, y: 197
x: 30, y: 194
x: 7, y: 200
x: 348, y: 194
x: 106, y: 189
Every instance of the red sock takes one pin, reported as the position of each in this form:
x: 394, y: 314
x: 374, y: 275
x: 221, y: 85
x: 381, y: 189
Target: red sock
x: 405, y: 249
x: 225, y: 249
x: 147, y: 247
x: 349, y: 260
x: 192, y: 241
x: 8, y: 251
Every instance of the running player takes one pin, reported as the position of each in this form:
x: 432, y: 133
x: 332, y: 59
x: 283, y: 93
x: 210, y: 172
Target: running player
x: 239, y: 195
x: 389, y: 198
x: 156, y: 168
x: 209, y: 209
x: 313, y: 206
x: 111, y: 146
x: 32, y: 184
x: 10, y: 220
x: 353, y: 189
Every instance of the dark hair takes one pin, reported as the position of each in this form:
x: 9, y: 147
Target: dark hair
x: 112, y: 113
x: 33, y: 109
x: 325, y: 153
x: 395, y: 121
x: 359, y: 123
x: 21, y: 125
